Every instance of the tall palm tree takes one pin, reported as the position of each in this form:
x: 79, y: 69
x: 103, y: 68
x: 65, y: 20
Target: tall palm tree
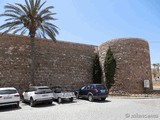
x: 158, y: 66
x: 154, y: 65
x: 30, y: 18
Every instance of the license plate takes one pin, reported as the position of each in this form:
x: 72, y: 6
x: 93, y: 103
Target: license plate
x: 44, y: 95
x: 102, y: 91
x: 7, y: 97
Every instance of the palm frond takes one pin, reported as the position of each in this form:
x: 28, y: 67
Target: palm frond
x: 31, y: 2
x: 9, y: 15
x: 14, y: 12
x: 12, y: 7
x: 10, y: 19
x: 37, y: 3
x: 40, y: 6
x: 46, y: 18
x: 23, y: 32
x: 53, y: 27
x: 23, y: 8
x: 50, y: 33
x: 48, y: 14
x: 45, y: 10
x: 11, y: 26
x: 18, y: 30
x: 8, y: 24
x: 28, y: 6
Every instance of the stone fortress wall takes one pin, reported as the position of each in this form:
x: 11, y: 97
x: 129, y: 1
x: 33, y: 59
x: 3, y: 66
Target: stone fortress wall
x: 57, y: 63
x: 69, y: 64
x: 133, y: 64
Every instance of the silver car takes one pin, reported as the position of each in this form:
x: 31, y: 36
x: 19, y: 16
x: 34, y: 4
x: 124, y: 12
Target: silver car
x: 61, y: 94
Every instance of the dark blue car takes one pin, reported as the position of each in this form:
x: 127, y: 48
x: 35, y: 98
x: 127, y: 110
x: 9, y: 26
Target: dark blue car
x: 92, y: 92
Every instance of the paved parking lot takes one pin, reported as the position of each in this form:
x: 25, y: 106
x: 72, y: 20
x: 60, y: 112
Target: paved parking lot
x: 111, y: 109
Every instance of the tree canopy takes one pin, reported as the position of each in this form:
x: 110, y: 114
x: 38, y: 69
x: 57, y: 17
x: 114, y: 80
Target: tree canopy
x: 31, y: 18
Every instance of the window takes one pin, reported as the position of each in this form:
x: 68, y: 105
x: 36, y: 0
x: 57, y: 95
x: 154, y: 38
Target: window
x: 8, y: 91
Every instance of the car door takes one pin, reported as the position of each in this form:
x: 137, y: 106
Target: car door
x: 82, y: 91
x: 88, y: 89
x: 85, y: 91
x: 27, y: 93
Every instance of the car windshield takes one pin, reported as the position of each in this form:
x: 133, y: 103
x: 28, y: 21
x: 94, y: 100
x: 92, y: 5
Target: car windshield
x: 8, y: 91
x: 100, y: 87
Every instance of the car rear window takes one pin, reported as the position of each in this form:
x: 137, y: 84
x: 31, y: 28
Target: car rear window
x: 44, y: 89
x: 100, y: 87
x: 9, y: 91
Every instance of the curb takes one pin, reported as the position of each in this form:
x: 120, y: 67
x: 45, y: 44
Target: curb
x: 135, y: 96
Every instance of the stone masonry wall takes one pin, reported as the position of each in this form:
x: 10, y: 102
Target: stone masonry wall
x: 70, y: 65
x: 133, y: 64
x: 57, y: 63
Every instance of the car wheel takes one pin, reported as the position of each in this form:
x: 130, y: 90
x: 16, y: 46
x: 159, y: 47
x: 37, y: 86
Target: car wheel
x: 103, y: 99
x: 23, y: 101
x: 77, y: 95
x: 59, y: 100
x: 71, y: 99
x: 50, y: 102
x: 17, y: 105
x: 32, y: 103
x: 90, y: 98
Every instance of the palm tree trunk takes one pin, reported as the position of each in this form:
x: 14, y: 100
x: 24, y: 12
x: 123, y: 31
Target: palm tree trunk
x: 32, y: 61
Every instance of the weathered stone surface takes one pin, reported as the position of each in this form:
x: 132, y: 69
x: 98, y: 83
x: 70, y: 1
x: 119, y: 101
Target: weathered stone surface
x: 61, y: 63
x: 133, y: 64
x: 70, y: 65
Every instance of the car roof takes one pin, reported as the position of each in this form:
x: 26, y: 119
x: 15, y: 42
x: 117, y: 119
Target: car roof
x: 5, y: 88
x: 39, y: 87
x: 94, y: 84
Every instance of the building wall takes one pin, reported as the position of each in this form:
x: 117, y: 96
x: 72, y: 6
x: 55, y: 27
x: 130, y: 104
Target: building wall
x: 70, y: 64
x: 133, y: 64
x: 57, y: 63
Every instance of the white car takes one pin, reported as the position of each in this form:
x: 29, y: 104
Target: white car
x: 61, y: 94
x: 9, y: 96
x: 37, y: 94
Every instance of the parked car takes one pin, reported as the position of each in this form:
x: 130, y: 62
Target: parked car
x: 37, y: 94
x: 60, y: 94
x: 92, y: 92
x: 9, y: 96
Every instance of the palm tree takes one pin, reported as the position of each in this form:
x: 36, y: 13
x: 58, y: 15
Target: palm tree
x: 154, y: 65
x: 158, y: 66
x: 32, y: 19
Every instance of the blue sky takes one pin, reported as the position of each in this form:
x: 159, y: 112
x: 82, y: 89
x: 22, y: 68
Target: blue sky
x: 97, y: 21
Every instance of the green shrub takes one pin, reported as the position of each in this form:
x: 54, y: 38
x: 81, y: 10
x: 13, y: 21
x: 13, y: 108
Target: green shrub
x: 97, y: 71
x: 109, y: 68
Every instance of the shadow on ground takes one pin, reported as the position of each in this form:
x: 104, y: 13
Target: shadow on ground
x: 66, y: 102
x: 96, y: 101
x: 9, y: 108
x: 39, y: 105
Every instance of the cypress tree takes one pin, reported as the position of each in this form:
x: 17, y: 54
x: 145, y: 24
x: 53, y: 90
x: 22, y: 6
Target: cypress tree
x: 97, y: 71
x: 109, y: 68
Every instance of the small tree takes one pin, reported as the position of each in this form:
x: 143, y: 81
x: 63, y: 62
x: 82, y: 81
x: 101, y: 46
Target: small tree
x: 97, y: 71
x: 109, y: 68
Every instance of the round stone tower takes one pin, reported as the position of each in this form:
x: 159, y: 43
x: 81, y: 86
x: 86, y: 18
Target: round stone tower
x: 133, y: 64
